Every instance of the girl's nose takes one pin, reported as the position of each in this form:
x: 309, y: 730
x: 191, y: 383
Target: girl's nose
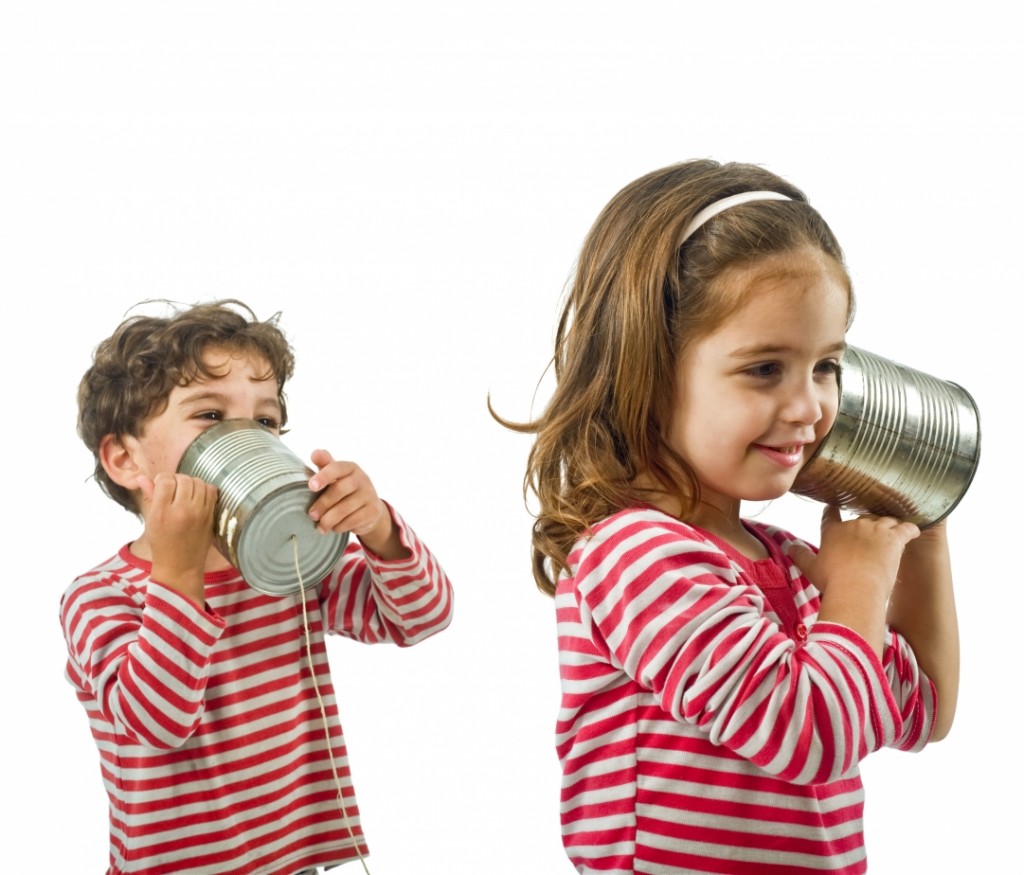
x: 805, y: 402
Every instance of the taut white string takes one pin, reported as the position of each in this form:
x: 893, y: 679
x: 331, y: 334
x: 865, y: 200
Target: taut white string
x: 323, y: 710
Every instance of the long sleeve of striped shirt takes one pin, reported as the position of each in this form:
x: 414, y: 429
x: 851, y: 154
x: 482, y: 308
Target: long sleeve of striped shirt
x: 708, y: 722
x: 413, y: 601
x: 212, y: 747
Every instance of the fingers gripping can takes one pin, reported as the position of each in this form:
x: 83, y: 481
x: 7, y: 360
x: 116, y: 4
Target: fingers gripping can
x: 904, y: 444
x: 262, y: 508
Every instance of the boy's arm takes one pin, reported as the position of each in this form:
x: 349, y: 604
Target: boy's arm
x: 402, y: 601
x: 922, y: 609
x: 389, y: 587
x: 348, y: 502
x: 140, y: 654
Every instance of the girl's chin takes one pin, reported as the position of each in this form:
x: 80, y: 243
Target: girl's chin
x: 770, y: 492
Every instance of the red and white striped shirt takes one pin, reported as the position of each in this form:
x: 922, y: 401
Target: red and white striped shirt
x: 708, y: 722
x: 211, y: 742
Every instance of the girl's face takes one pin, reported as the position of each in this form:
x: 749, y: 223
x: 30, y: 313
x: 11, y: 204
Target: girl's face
x: 754, y: 398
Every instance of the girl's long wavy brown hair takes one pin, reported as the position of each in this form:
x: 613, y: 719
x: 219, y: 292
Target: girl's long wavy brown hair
x: 635, y: 302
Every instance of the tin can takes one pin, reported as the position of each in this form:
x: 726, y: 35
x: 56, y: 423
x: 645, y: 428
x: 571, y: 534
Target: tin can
x: 904, y: 444
x: 263, y: 503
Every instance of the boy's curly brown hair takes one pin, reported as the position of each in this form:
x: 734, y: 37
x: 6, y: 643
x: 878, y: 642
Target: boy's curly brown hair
x: 135, y: 369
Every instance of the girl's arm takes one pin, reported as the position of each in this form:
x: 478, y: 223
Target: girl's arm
x: 922, y: 609
x: 855, y: 570
x: 654, y: 599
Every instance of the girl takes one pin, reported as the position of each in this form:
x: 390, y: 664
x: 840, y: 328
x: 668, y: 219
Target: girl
x: 721, y: 680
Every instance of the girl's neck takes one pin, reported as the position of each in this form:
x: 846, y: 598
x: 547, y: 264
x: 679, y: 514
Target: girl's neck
x: 724, y: 523
x: 729, y: 529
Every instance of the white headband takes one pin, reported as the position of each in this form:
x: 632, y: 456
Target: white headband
x: 718, y: 206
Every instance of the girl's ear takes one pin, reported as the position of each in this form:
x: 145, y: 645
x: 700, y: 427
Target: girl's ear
x: 118, y: 461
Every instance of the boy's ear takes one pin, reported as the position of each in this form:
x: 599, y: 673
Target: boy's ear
x: 118, y: 461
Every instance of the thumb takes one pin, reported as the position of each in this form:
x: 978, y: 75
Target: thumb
x: 321, y: 458
x: 803, y: 558
x: 829, y: 516
x: 146, y: 487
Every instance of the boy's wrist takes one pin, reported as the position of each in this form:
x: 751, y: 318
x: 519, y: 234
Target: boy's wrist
x: 384, y: 540
x: 189, y: 583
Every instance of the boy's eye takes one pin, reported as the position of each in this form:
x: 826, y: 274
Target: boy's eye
x: 764, y: 369
x: 269, y: 422
x: 829, y: 368
x: 211, y: 415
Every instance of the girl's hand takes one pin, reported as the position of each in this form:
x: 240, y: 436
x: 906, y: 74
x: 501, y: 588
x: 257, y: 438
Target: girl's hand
x: 178, y: 513
x: 348, y: 502
x: 935, y: 534
x: 865, y: 550
x: 855, y: 570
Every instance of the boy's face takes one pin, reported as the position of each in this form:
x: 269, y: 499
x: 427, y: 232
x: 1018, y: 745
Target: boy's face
x: 241, y: 389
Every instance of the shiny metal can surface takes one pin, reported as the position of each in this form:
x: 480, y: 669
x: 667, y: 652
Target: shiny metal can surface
x: 261, y: 518
x: 904, y: 444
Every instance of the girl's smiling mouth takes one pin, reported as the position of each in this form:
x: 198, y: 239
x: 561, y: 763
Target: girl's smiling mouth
x: 788, y: 456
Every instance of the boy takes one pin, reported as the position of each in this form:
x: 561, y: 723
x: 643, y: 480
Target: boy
x: 212, y: 745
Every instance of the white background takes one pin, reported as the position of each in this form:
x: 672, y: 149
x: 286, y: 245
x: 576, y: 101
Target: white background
x: 410, y: 183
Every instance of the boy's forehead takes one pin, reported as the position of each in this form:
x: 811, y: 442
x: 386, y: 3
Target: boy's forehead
x: 220, y: 361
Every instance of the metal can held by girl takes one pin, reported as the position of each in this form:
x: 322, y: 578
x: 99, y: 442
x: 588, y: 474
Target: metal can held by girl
x: 904, y: 444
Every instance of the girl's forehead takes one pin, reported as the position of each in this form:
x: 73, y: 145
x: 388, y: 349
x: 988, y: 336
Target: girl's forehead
x: 778, y: 302
x: 740, y: 283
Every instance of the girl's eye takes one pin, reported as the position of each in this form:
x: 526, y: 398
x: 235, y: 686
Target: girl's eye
x: 212, y: 415
x: 269, y: 422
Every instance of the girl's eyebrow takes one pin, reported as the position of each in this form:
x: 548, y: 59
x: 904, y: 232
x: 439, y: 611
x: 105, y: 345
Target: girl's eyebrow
x: 775, y: 349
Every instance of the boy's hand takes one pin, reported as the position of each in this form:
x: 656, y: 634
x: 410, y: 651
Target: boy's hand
x: 348, y: 502
x: 178, y: 513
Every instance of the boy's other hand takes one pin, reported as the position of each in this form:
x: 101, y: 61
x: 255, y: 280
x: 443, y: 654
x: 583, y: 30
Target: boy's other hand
x: 348, y: 502
x: 178, y: 512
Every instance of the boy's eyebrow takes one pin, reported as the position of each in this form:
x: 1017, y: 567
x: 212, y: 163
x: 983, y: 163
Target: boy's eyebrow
x: 213, y: 395
x: 774, y: 348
